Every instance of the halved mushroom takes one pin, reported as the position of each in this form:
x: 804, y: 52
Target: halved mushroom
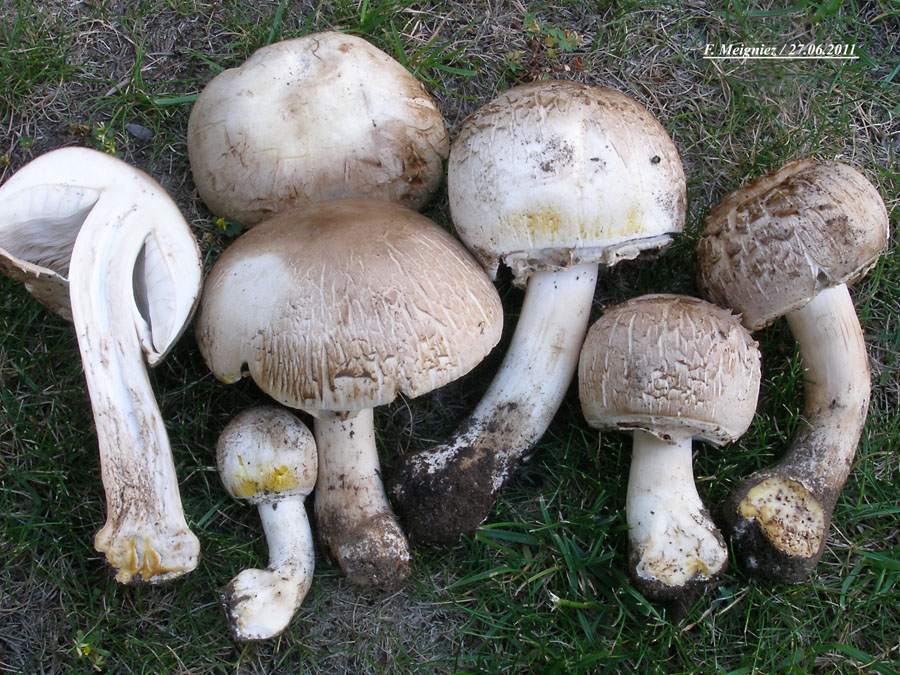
x: 669, y: 368
x: 554, y: 179
x: 325, y: 116
x: 267, y: 456
x: 101, y: 242
x: 787, y: 244
x: 335, y: 308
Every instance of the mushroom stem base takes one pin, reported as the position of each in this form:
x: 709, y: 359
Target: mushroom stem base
x: 353, y: 514
x: 779, y: 518
x: 674, y: 546
x: 259, y: 604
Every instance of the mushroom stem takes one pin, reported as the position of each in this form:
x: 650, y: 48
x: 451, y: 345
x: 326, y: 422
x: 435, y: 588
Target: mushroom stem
x: 352, y: 511
x: 674, y: 545
x: 260, y: 603
x: 145, y: 536
x: 448, y: 490
x: 779, y: 517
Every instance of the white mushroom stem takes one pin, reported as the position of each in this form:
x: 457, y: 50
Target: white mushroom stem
x: 118, y: 267
x: 837, y: 386
x: 792, y: 502
x: 672, y: 537
x: 261, y: 603
x: 449, y: 489
x: 352, y: 511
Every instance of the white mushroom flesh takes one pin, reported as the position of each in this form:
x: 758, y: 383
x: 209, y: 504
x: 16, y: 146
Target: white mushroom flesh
x: 670, y: 368
x: 836, y: 386
x: 133, y: 280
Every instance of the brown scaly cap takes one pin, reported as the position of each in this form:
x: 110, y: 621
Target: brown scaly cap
x: 666, y: 363
x: 341, y: 305
x: 770, y: 247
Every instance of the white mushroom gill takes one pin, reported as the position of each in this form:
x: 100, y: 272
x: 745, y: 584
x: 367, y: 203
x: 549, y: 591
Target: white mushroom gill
x: 133, y: 278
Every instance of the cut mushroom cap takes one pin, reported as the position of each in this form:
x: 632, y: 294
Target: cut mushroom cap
x: 91, y: 223
x: 267, y: 456
x: 786, y: 245
x: 334, y: 309
x: 325, y: 116
x: 670, y: 368
x: 554, y: 179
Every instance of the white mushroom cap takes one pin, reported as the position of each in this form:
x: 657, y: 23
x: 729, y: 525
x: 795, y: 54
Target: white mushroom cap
x: 770, y: 247
x: 670, y: 365
x: 552, y: 174
x: 325, y: 116
x: 266, y: 454
x: 342, y: 304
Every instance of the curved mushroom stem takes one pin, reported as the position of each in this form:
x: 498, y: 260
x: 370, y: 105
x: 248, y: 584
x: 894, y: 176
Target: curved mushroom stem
x: 448, y: 490
x: 674, y: 546
x: 352, y: 510
x: 145, y: 536
x: 779, y: 517
x: 261, y: 603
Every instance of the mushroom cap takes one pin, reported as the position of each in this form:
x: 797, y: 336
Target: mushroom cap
x: 669, y: 365
x: 552, y: 174
x: 768, y: 248
x: 320, y: 117
x: 341, y: 305
x: 266, y: 454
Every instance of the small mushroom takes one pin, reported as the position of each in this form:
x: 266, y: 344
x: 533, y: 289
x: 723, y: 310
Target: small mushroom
x: 554, y: 179
x: 670, y: 368
x: 787, y: 245
x: 101, y: 243
x: 335, y: 308
x: 267, y: 456
x: 325, y: 116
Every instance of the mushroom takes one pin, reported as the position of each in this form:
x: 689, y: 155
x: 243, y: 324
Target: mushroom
x: 335, y: 308
x: 669, y: 368
x: 325, y: 116
x: 554, y: 179
x: 267, y: 456
x: 82, y: 220
x: 787, y: 244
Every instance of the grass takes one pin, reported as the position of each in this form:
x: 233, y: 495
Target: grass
x: 541, y: 587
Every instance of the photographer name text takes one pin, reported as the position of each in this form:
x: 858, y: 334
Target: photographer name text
x: 795, y: 50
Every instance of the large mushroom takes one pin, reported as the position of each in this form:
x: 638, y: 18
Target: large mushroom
x: 335, y: 308
x: 101, y: 243
x: 267, y: 457
x: 325, y: 116
x: 787, y: 245
x: 554, y: 179
x: 669, y: 368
